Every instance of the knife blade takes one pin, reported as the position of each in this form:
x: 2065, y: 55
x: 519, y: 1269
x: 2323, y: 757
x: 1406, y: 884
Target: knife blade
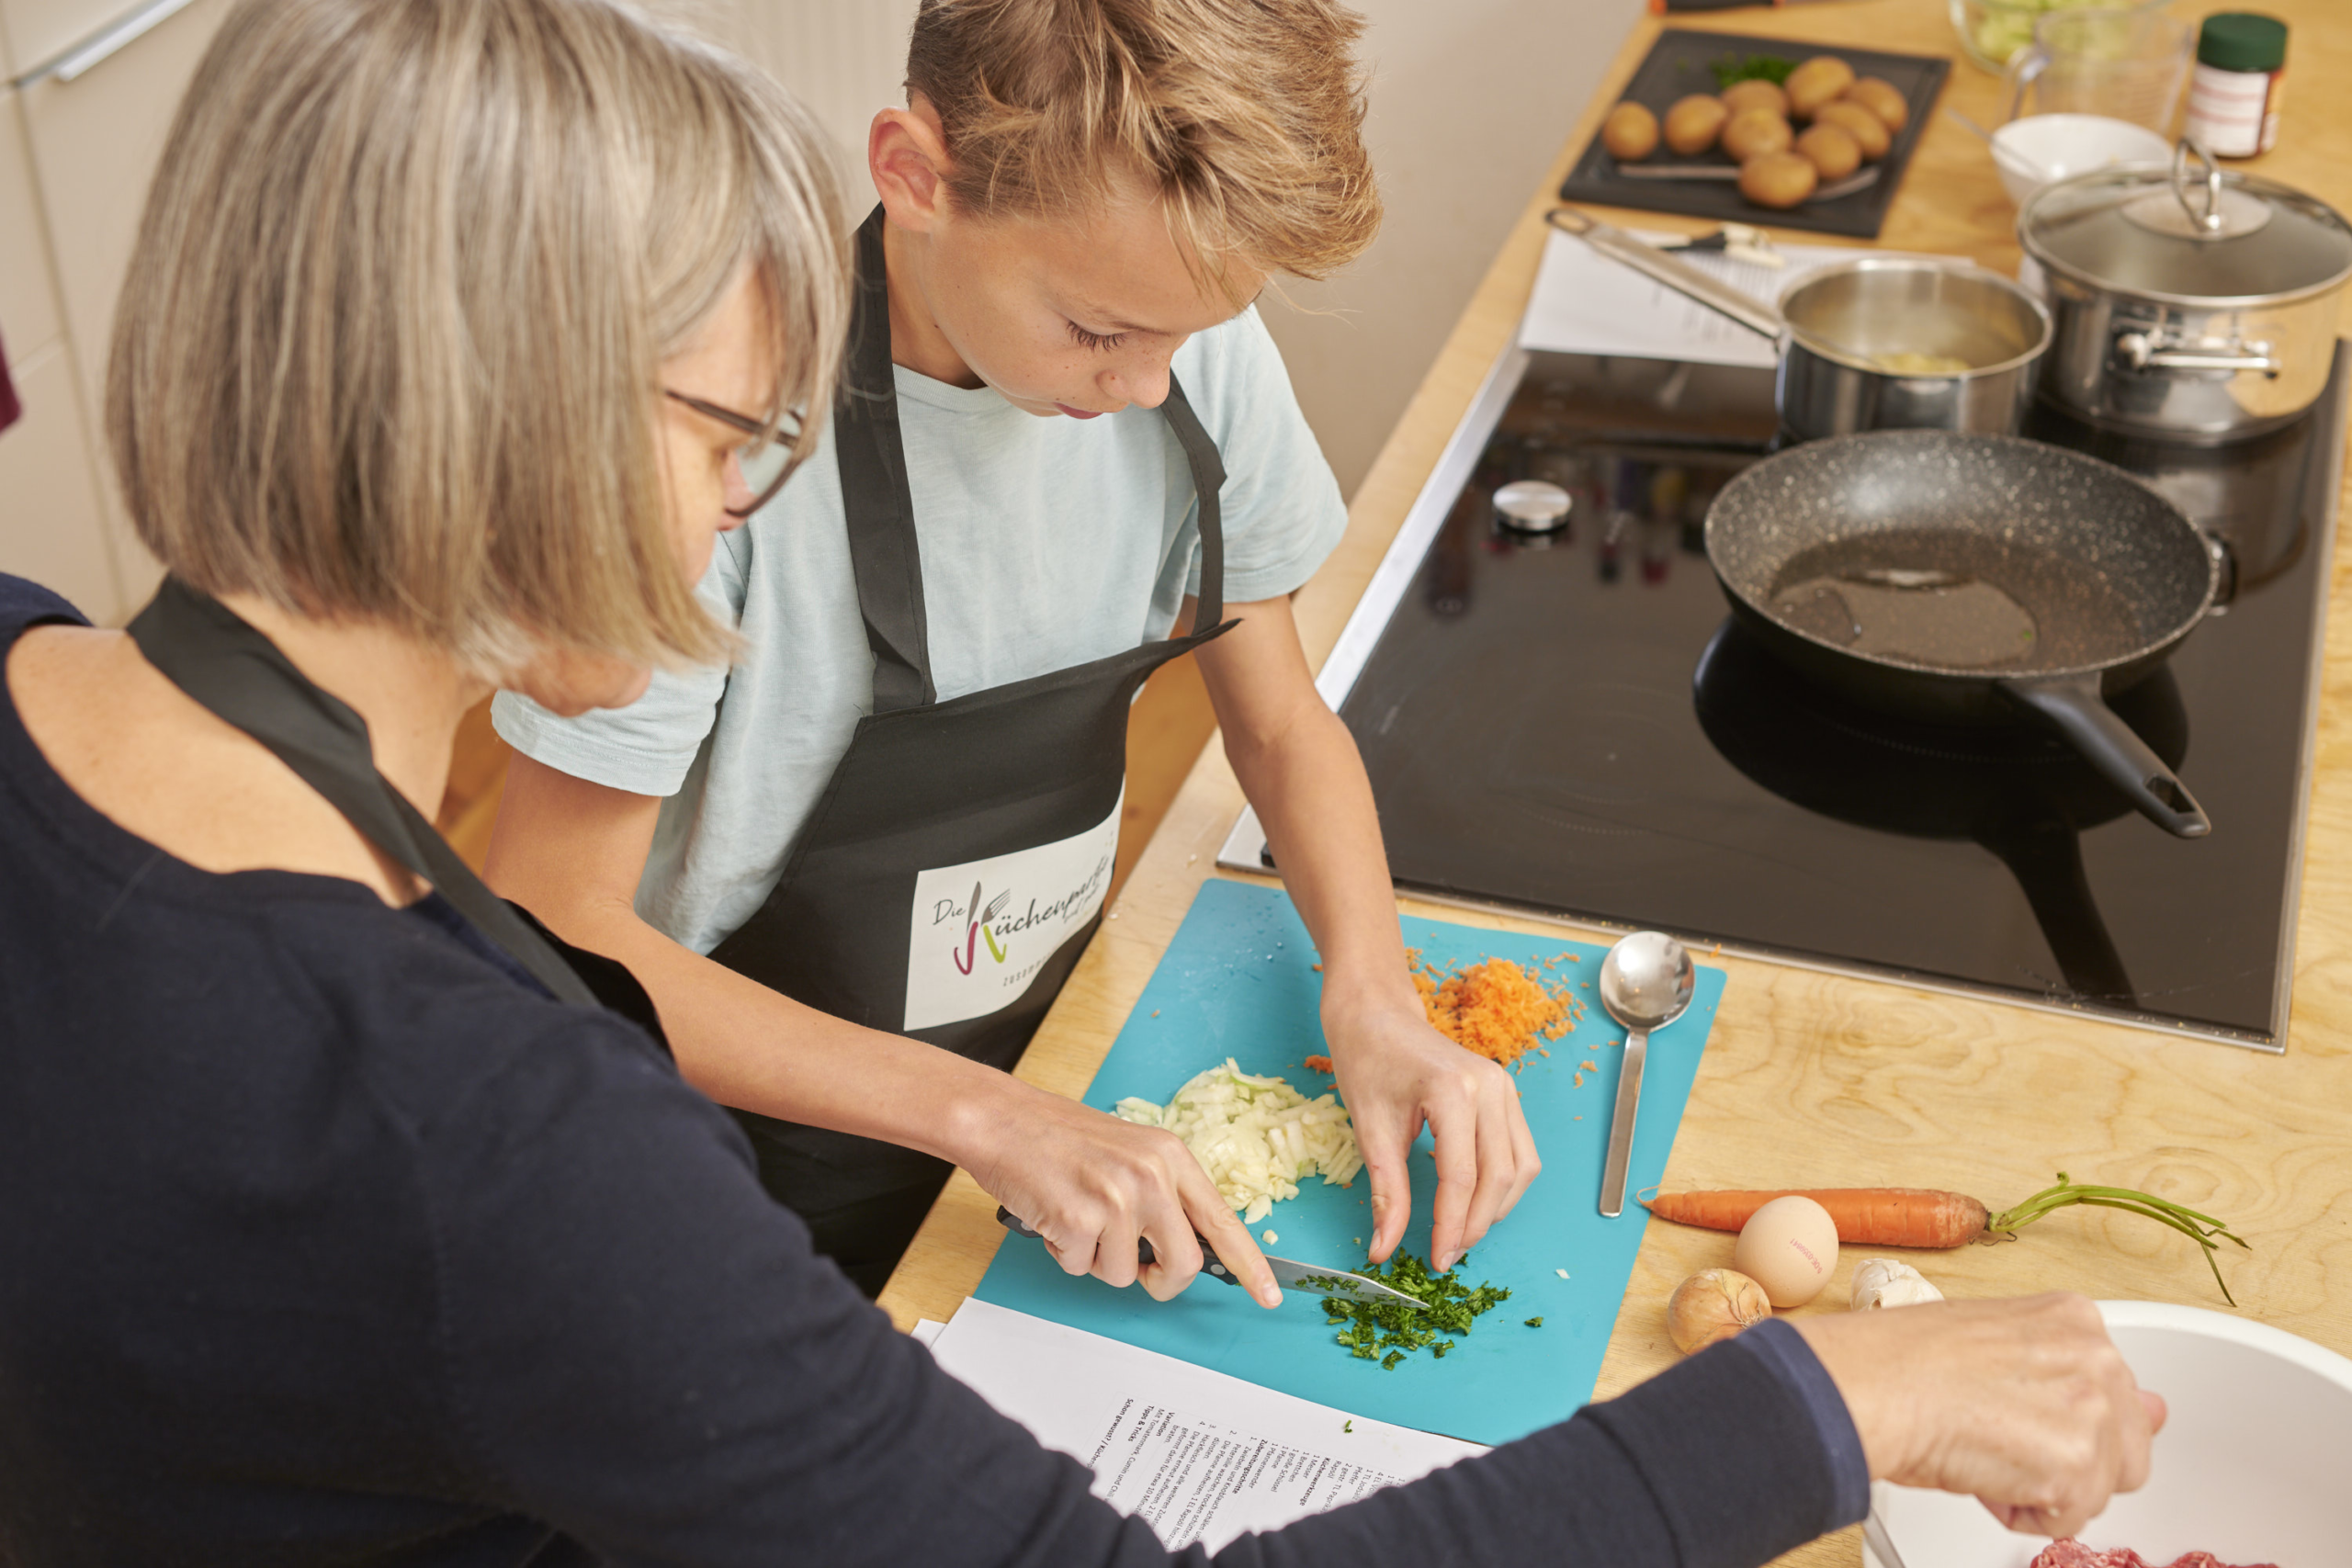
x: 1882, y: 1546
x: 1291, y: 1275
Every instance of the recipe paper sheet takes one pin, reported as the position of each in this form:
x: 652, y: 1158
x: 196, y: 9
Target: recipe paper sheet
x: 1585, y: 302
x: 1239, y: 980
x: 1196, y: 1454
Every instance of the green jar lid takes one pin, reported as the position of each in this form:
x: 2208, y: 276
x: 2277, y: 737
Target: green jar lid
x: 2242, y: 40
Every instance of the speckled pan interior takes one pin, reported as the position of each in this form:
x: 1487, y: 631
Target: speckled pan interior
x: 2130, y: 539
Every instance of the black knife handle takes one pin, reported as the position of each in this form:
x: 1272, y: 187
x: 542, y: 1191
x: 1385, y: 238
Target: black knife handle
x: 1211, y: 1263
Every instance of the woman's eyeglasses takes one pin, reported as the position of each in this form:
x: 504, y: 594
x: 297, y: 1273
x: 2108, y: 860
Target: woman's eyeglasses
x: 762, y: 445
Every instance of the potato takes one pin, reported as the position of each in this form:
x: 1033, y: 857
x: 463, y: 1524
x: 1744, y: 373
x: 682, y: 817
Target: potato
x: 1756, y: 94
x: 1831, y: 150
x: 1777, y: 179
x: 1630, y: 133
x: 1753, y: 131
x: 1693, y: 124
x: 1867, y: 130
x: 1817, y: 81
x: 1882, y: 99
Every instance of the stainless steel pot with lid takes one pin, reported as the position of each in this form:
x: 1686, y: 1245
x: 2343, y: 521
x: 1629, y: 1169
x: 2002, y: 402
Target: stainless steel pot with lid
x: 2186, y: 303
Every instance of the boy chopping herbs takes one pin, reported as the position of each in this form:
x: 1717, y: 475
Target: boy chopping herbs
x: 855, y: 870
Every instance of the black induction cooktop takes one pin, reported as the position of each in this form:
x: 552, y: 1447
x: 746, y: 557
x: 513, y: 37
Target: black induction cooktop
x: 1570, y: 722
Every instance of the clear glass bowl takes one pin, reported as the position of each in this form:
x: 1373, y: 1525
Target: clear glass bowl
x: 1992, y: 31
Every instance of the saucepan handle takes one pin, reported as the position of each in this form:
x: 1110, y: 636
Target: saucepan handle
x: 2074, y: 709
x: 1758, y: 317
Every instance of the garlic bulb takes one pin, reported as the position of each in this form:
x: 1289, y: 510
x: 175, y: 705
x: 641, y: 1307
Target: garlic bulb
x: 1712, y: 1305
x: 1884, y: 1283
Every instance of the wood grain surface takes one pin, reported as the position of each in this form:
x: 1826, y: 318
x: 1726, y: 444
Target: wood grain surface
x: 1812, y: 1079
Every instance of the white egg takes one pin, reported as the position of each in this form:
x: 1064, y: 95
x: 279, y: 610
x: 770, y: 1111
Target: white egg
x: 1790, y: 1247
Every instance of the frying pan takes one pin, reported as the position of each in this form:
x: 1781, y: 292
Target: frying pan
x: 1972, y: 580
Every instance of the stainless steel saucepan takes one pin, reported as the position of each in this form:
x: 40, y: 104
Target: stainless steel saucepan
x: 1878, y: 343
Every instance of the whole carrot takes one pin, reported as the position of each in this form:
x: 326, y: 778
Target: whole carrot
x: 1875, y: 1216
x: 1926, y: 1217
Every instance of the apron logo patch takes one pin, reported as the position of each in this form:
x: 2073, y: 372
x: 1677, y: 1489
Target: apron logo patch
x: 979, y: 934
x: 978, y: 926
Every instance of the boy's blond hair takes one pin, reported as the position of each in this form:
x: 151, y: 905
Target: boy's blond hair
x: 1245, y: 116
x: 388, y: 347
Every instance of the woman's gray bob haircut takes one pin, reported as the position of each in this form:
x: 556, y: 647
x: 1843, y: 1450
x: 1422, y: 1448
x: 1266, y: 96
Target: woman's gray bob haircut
x: 389, y: 348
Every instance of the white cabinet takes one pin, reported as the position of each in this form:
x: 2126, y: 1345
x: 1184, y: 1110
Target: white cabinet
x: 52, y: 526
x: 90, y: 145
x: 37, y: 31
x: 30, y: 320
x: 48, y: 506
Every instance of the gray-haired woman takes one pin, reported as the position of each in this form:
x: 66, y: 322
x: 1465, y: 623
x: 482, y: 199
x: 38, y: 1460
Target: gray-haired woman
x: 339, y: 1223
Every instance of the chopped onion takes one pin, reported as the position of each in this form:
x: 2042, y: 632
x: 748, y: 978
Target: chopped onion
x: 1256, y: 1137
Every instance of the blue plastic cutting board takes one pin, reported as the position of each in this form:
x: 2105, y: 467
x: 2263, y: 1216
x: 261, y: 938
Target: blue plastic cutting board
x: 1239, y: 981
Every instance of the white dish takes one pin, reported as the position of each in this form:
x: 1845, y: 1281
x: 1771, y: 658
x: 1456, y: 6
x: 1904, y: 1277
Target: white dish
x: 2251, y: 1465
x: 2044, y: 149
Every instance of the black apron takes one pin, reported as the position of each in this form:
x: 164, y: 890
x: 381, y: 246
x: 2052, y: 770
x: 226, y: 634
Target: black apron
x: 236, y: 673
x: 1036, y: 766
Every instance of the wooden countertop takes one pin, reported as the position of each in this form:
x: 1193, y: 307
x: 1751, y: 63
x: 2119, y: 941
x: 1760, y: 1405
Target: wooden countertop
x: 1814, y: 1079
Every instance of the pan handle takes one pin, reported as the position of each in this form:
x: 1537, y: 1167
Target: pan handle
x: 1675, y: 273
x: 2073, y: 707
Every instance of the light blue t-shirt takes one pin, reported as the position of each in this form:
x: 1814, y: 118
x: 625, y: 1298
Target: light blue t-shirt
x: 1045, y: 543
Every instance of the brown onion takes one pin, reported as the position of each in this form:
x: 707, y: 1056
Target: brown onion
x: 1711, y: 1305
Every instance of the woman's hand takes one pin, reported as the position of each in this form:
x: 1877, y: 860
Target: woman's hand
x: 2026, y: 1405
x: 1093, y: 1186
x: 1397, y: 1073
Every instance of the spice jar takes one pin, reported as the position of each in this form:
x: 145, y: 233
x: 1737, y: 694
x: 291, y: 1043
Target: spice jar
x: 2241, y: 72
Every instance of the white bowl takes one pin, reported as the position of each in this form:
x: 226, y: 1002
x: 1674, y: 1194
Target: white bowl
x: 2044, y: 149
x: 2252, y: 1464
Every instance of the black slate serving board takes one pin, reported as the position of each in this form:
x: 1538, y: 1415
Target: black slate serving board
x: 1678, y: 65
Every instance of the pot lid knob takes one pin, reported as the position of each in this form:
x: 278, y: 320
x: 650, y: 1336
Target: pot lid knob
x: 1531, y: 506
x: 2198, y: 208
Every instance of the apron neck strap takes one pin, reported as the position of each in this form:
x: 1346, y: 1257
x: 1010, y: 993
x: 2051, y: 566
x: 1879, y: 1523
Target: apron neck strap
x: 1208, y: 479
x: 884, y: 554
x: 881, y: 512
x: 231, y: 669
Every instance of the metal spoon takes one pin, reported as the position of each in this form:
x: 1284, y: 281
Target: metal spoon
x: 1646, y: 984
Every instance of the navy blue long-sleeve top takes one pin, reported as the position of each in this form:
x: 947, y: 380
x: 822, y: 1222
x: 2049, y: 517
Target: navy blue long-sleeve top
x: 325, y: 1236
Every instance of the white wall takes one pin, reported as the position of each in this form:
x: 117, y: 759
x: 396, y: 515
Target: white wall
x: 1470, y: 101
x: 844, y: 59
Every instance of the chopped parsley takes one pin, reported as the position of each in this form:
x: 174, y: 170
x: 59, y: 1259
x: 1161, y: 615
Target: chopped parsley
x: 1368, y: 1328
x: 1534, y: 1322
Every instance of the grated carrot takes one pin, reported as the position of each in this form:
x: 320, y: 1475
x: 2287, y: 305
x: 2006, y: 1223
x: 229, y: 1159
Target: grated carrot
x: 1317, y: 1064
x: 1496, y: 1007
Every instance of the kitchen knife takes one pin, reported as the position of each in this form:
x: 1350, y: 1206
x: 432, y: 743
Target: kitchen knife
x: 1291, y: 1276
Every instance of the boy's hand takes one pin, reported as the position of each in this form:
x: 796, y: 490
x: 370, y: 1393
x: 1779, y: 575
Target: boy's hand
x: 1300, y: 768
x: 2025, y: 1404
x: 1397, y: 1073
x: 1093, y: 1186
